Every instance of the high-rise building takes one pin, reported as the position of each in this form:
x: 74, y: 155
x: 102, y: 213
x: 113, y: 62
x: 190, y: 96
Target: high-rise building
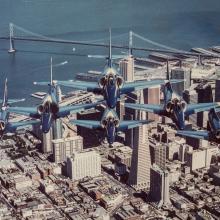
x: 160, y: 155
x: 57, y: 128
x: 131, y: 114
x: 217, y: 90
x: 90, y: 137
x: 139, y: 177
x: 152, y: 96
x: 64, y: 147
x: 120, y: 108
x: 159, y: 186
x: 182, y: 151
x: 181, y: 73
x: 204, y: 95
x: 200, y: 158
x: 46, y: 141
x: 84, y: 164
x: 191, y: 96
x: 127, y: 68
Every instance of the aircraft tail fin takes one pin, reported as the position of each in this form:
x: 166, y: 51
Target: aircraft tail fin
x: 110, y: 48
x: 5, y: 98
x: 51, y: 71
x: 168, y: 71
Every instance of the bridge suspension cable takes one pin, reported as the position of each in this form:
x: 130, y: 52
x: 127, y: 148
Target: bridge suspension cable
x: 50, y: 38
x: 42, y: 38
x: 155, y: 43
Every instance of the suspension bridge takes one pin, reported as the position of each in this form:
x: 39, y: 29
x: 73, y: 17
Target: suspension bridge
x: 35, y: 37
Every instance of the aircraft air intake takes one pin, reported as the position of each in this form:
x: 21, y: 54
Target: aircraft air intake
x: 2, y: 125
x: 102, y: 82
x: 104, y: 123
x: 119, y: 81
x: 183, y: 105
x: 169, y: 106
x: 217, y: 134
x: 40, y: 109
x: 116, y: 122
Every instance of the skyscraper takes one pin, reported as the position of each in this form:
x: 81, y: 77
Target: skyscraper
x: 46, y: 141
x: 127, y: 68
x: 152, y: 96
x: 139, y: 177
x: 159, y: 186
x: 191, y: 96
x: 83, y: 164
x: 181, y: 73
x: 204, y: 95
x: 160, y: 155
x: 57, y: 128
x: 130, y: 114
x: 217, y: 90
x: 64, y: 147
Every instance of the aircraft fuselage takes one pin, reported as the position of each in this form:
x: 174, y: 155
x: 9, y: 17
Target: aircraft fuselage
x: 110, y: 122
x: 48, y: 110
x: 111, y: 84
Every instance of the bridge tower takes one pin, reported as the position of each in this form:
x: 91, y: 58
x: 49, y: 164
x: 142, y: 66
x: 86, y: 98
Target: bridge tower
x: 130, y: 42
x: 11, y: 40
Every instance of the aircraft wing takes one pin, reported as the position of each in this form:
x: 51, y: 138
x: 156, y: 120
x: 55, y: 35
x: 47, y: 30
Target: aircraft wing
x: 66, y: 110
x: 87, y: 86
x: 200, y: 107
x: 157, y: 109
x: 87, y: 123
x: 29, y: 111
x: 12, y: 126
x: 194, y: 134
x: 138, y: 85
x: 11, y: 101
x: 124, y: 125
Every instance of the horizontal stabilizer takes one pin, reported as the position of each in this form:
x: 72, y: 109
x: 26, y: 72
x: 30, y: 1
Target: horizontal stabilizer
x: 195, y: 134
x: 14, y: 125
x: 124, y: 125
x: 91, y: 124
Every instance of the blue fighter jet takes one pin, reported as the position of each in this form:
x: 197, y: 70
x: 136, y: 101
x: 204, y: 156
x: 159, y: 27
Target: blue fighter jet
x: 5, y: 125
x: 49, y: 110
x: 214, y: 124
x: 174, y: 108
x: 110, y: 123
x: 111, y: 85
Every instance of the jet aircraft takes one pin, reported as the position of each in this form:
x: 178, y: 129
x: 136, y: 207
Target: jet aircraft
x: 5, y: 125
x: 175, y: 108
x: 111, y: 85
x: 110, y: 123
x: 49, y: 110
x: 214, y: 124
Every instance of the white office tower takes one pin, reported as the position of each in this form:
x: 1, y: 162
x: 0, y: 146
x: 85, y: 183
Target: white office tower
x: 84, y: 164
x: 127, y: 68
x: 46, y: 143
x: 58, y: 93
x: 139, y: 177
x: 181, y: 73
x: 64, y: 147
x: 159, y: 186
x: 57, y: 127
